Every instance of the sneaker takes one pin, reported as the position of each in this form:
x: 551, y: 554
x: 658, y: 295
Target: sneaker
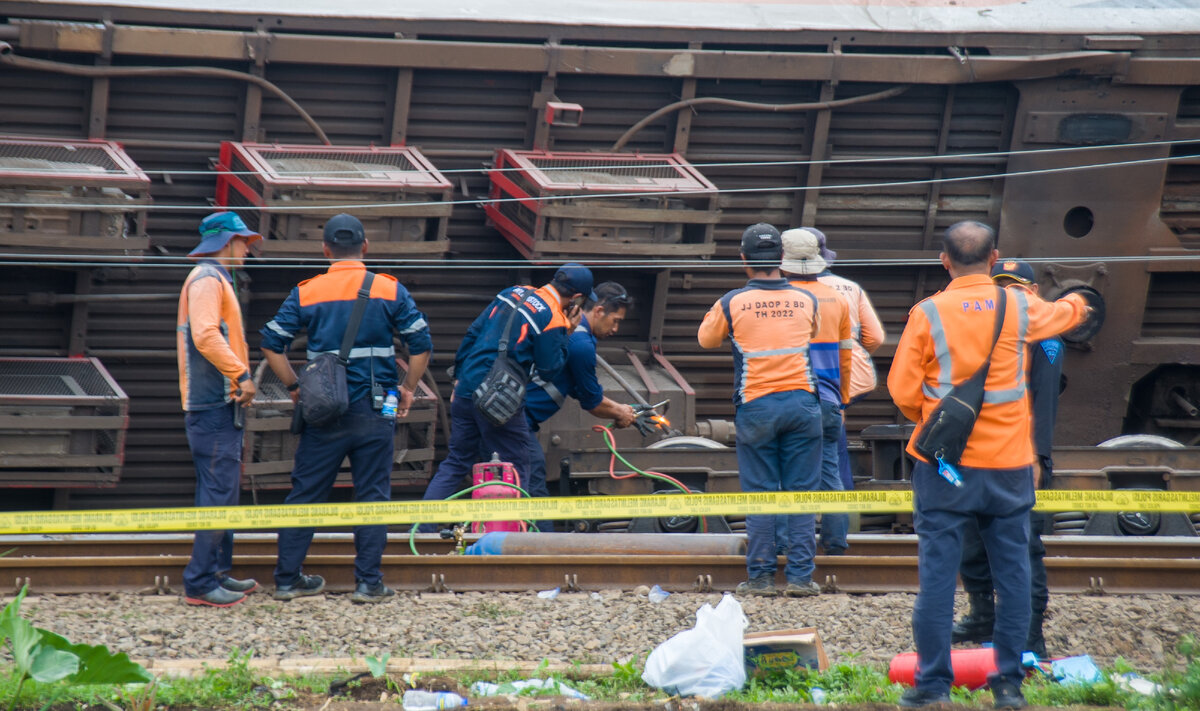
x: 365, y: 592
x: 245, y: 587
x: 915, y: 698
x: 1007, y: 694
x: 217, y: 597
x: 762, y: 586
x: 304, y: 585
x: 805, y: 589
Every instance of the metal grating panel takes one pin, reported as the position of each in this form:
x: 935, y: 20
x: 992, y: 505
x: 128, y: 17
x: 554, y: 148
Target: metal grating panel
x: 65, y: 377
x: 593, y: 172
x: 315, y: 166
x: 64, y: 160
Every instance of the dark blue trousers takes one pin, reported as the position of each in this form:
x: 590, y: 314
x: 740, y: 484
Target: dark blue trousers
x: 834, y: 526
x: 369, y: 441
x: 779, y: 449
x: 977, y: 575
x: 998, y: 501
x: 535, y: 484
x: 470, y: 435
x: 217, y: 452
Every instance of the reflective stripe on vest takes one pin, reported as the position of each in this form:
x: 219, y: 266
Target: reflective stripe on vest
x: 941, y: 349
x: 361, y: 352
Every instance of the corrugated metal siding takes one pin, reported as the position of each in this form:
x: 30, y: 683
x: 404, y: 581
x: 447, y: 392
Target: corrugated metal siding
x: 351, y: 104
x: 42, y: 104
x: 459, y: 119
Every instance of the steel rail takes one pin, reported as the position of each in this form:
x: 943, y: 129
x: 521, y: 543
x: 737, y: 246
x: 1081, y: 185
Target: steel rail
x: 879, y: 564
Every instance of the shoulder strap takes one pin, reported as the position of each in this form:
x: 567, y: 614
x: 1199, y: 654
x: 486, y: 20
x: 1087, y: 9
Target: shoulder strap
x: 1001, y: 301
x: 503, y: 345
x: 356, y: 317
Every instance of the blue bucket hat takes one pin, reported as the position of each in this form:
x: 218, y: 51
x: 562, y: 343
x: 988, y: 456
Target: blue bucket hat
x: 217, y: 229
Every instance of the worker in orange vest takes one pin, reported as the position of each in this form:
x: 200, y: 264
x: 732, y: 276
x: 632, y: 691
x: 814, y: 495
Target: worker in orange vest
x: 948, y: 338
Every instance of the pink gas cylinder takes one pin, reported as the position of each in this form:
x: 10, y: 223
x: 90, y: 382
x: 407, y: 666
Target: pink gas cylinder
x: 495, y: 470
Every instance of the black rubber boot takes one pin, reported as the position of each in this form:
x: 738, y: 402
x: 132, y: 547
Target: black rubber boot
x: 976, y: 625
x: 1035, y: 642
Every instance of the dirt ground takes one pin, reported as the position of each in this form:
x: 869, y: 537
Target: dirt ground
x: 374, y: 695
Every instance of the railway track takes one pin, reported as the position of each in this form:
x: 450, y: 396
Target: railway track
x: 877, y: 564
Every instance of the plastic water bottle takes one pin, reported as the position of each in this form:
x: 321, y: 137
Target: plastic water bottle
x: 818, y: 695
x: 418, y: 700
x: 390, y: 404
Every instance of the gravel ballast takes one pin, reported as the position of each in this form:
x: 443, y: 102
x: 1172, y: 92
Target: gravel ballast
x: 601, y: 627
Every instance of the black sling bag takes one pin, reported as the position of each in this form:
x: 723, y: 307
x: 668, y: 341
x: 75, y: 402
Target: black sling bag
x: 324, y: 395
x: 948, y: 427
x: 501, y: 394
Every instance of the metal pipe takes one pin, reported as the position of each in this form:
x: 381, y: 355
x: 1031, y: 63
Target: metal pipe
x: 621, y: 381
x: 703, y: 100
x: 622, y: 544
x: 1183, y: 403
x: 46, y: 298
x: 44, y: 65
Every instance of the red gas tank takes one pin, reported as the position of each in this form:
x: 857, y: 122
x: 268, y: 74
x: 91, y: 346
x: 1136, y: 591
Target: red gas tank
x: 495, y: 470
x: 971, y: 667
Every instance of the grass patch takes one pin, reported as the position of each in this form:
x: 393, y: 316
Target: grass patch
x: 237, y: 686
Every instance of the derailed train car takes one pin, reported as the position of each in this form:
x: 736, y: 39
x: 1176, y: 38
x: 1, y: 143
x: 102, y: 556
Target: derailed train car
x: 1074, y: 128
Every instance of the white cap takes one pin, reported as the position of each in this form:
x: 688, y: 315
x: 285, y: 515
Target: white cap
x: 802, y: 252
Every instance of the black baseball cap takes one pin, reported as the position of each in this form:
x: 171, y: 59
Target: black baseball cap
x: 344, y: 230
x: 762, y: 241
x: 1015, y: 270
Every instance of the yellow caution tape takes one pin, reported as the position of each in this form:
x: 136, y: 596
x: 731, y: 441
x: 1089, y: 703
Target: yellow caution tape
x: 580, y: 507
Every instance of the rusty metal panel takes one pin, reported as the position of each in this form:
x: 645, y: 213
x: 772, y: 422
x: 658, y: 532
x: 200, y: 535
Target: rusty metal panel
x: 62, y: 423
x: 351, y: 104
x: 33, y: 106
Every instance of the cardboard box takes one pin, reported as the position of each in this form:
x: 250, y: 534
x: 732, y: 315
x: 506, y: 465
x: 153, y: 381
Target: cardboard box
x: 784, y: 649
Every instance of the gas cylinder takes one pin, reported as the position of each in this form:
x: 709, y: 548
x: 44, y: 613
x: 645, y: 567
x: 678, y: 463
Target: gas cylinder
x: 495, y: 470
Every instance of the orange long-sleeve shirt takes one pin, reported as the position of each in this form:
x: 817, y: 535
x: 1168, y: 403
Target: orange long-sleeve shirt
x: 948, y: 337
x: 867, y: 329
x: 210, y: 339
x: 831, y: 349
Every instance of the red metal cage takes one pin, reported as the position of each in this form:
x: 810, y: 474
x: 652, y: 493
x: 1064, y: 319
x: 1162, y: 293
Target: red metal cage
x: 555, y: 204
x: 403, y: 201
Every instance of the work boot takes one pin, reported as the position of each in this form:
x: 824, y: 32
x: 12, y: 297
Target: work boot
x: 304, y: 585
x: 217, y: 597
x: 1034, y: 641
x: 1007, y: 694
x: 245, y: 587
x: 807, y: 588
x: 366, y: 592
x: 761, y: 585
x: 915, y: 698
x: 976, y: 626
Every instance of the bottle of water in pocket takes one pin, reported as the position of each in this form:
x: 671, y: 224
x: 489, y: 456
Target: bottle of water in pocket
x: 390, y: 403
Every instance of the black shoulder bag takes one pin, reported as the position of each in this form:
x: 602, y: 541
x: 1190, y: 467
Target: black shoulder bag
x: 324, y: 396
x: 945, y: 433
x: 501, y: 395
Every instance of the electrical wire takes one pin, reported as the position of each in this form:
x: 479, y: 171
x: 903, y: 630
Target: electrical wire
x: 478, y: 202
x: 611, y: 443
x: 15, y: 259
x: 942, y: 158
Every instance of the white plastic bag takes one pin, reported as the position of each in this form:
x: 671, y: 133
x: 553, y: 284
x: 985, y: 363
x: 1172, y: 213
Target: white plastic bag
x: 706, y: 660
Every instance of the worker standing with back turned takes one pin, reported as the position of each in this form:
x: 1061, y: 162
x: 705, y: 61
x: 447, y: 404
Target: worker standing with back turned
x: 770, y: 324
x: 948, y: 341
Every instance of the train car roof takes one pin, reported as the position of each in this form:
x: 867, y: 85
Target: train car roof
x: 934, y: 16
